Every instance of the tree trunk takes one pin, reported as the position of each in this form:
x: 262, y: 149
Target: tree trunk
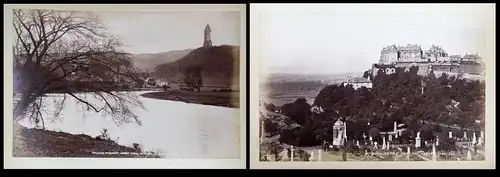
x: 21, y: 106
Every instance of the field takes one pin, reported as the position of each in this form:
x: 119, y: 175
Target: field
x: 287, y: 92
x: 206, y: 97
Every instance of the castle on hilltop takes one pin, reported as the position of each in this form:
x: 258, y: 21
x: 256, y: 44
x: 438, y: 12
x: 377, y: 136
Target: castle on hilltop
x: 207, y: 41
x: 435, y: 59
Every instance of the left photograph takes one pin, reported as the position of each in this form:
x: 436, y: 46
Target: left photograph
x: 131, y: 84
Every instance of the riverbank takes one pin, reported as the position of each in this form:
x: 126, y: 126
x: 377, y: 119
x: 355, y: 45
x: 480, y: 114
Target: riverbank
x: 30, y: 142
x: 222, y: 99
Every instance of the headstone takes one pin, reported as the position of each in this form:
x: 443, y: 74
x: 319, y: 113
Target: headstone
x: 388, y: 146
x: 437, y: 140
x: 366, y: 152
x: 284, y: 155
x: 482, y: 135
x: 357, y: 143
x: 408, y: 152
x: 395, y: 127
x: 311, y: 157
x: 426, y: 143
x: 383, y: 143
x: 465, y: 136
x: 319, y: 155
x: 371, y: 140
x: 469, y: 155
x: 291, y: 153
x: 450, y: 135
x: 375, y: 145
x: 480, y: 141
x: 417, y: 140
x: 434, y: 155
x: 474, y: 141
x: 390, y: 137
x: 271, y: 157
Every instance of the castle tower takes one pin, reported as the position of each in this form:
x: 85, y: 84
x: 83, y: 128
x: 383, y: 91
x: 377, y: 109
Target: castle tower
x: 207, y: 41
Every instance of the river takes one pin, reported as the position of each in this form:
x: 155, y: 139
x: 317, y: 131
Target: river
x: 178, y: 129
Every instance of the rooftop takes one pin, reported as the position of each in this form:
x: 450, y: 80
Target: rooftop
x: 358, y: 80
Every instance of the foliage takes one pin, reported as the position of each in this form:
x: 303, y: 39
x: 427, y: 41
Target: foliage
x: 420, y: 102
x: 220, y: 65
x: 193, y: 77
x: 67, y: 52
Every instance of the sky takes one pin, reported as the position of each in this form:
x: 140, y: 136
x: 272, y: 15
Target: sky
x: 319, y: 39
x: 156, y: 32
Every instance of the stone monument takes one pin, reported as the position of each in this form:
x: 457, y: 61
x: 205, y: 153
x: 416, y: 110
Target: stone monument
x: 207, y: 42
x: 450, y: 135
x: 395, y: 127
x: 338, y: 133
x: 284, y: 155
x: 319, y: 155
x: 417, y: 140
x: 474, y: 141
x: 469, y: 155
x: 383, y: 143
x: 311, y: 157
x: 434, y: 155
x: 291, y: 153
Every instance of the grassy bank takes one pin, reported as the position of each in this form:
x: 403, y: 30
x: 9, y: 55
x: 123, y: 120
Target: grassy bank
x: 30, y: 142
x: 223, y: 99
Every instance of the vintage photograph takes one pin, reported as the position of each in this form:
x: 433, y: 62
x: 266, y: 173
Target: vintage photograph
x: 126, y: 84
x: 372, y: 83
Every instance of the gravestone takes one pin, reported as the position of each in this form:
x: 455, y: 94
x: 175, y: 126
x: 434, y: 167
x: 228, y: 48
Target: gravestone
x: 383, y: 143
x: 319, y: 155
x: 311, y: 157
x: 271, y: 157
x: 284, y: 155
x: 417, y: 140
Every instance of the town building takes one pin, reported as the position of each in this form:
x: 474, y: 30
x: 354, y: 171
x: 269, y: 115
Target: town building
x: 358, y: 82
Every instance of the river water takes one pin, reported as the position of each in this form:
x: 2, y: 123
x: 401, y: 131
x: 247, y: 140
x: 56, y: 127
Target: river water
x: 177, y: 129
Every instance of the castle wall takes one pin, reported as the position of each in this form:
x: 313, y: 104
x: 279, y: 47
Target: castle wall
x: 471, y: 68
x: 389, y: 58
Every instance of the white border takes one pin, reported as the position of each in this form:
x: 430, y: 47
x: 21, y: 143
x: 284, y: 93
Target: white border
x: 101, y: 163
x: 489, y: 58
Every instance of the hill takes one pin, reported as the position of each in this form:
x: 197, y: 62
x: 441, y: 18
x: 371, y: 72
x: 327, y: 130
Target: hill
x: 147, y: 62
x: 220, y: 66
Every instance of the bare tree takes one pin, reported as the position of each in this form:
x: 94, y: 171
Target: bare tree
x: 69, y: 52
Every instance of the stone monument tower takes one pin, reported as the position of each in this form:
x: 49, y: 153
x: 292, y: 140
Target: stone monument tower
x: 207, y: 41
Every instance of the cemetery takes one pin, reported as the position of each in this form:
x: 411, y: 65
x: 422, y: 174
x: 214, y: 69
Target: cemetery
x: 451, y: 148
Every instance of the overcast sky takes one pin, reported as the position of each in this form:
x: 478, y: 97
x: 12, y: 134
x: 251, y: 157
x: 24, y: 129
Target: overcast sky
x: 155, y: 32
x: 348, y: 38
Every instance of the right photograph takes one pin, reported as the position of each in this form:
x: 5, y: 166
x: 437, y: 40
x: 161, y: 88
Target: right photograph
x: 343, y: 83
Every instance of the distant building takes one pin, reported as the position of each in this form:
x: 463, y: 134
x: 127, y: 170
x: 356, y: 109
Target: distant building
x: 358, y: 82
x: 207, y: 42
x: 435, y: 59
